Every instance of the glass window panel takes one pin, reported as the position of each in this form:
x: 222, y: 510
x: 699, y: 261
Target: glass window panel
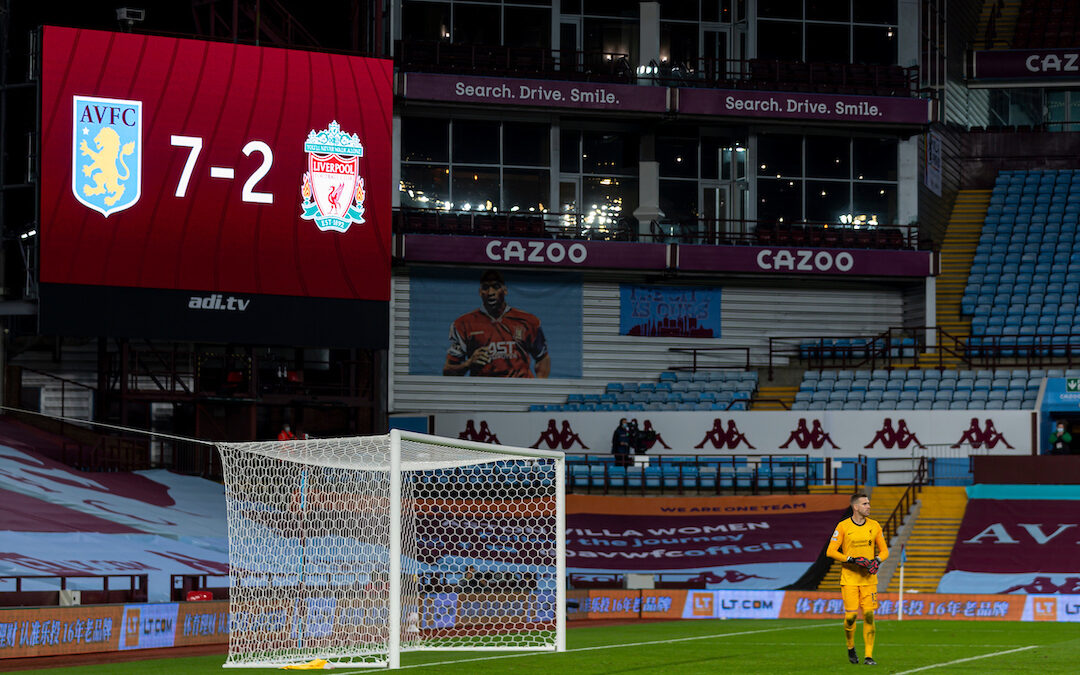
x: 875, y: 201
x: 827, y: 157
x: 475, y: 188
x: 780, y: 9
x: 525, y: 189
x: 477, y: 24
x: 875, y: 12
x: 424, y: 186
x: 779, y: 154
x: 874, y: 45
x: 424, y: 139
x: 875, y: 158
x: 677, y: 156
x: 711, y: 10
x: 779, y: 201
x: 610, y: 36
x: 571, y: 6
x: 679, y: 44
x: 611, y: 8
x: 827, y: 43
x: 680, y: 10
x: 710, y: 157
x: 609, y: 153
x: 569, y: 151
x: 526, y: 144
x: 827, y: 201
x: 476, y: 141
x: 830, y: 10
x: 780, y: 40
x: 679, y: 199
x: 608, y: 198
x: 425, y: 21
x: 527, y: 27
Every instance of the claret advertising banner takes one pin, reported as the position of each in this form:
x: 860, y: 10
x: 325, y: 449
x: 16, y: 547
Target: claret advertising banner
x: 205, y: 190
x: 1025, y: 546
x: 741, y: 542
x: 876, y: 433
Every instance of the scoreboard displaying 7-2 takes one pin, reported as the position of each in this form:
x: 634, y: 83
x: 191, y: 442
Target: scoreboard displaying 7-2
x: 195, y: 190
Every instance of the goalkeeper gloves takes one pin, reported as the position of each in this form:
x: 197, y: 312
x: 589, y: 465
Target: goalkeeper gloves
x: 871, y: 566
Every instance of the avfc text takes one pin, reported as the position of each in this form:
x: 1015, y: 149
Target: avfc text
x: 216, y: 301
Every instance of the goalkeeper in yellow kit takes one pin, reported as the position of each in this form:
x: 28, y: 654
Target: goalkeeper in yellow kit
x: 853, y: 543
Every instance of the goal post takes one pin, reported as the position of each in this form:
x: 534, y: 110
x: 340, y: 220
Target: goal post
x: 354, y: 550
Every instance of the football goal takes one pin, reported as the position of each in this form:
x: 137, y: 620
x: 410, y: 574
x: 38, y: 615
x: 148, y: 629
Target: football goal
x: 353, y: 550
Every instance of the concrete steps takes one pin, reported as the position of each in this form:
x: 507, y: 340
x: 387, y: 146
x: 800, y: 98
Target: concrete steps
x: 932, y: 538
x: 957, y: 251
x: 770, y: 397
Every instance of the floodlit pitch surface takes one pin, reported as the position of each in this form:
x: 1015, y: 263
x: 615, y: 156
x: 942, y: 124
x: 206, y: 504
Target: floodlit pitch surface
x: 739, y: 646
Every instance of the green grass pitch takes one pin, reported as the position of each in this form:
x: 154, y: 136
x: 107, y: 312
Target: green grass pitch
x: 742, y: 646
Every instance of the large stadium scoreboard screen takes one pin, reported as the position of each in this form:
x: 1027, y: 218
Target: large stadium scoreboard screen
x: 210, y: 191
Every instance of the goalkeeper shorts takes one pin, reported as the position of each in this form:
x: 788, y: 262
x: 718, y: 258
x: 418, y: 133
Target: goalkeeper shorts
x: 859, y: 596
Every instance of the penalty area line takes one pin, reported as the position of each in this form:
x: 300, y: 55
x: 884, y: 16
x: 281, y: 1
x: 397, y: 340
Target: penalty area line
x: 970, y: 658
x: 612, y: 646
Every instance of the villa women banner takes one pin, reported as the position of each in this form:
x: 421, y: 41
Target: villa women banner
x: 744, y: 542
x: 669, y: 311
x: 1016, y: 546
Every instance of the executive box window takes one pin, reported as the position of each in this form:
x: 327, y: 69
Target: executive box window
x: 522, y: 23
x: 475, y: 165
x: 828, y: 31
x: 832, y: 179
x: 695, y: 165
x: 598, y: 177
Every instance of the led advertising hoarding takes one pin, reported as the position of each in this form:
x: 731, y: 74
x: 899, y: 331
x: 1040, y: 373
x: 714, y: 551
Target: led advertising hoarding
x: 211, y: 191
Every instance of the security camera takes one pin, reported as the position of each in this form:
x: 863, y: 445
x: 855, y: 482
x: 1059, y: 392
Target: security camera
x: 130, y: 15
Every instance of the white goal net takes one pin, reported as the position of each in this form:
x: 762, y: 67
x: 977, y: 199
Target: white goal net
x: 352, y: 550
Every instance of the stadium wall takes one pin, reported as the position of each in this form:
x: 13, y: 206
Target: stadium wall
x: 55, y: 631
x: 749, y: 316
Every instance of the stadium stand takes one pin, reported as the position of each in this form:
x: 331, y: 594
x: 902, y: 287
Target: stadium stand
x: 917, y: 389
x: 683, y: 390
x: 1021, y: 293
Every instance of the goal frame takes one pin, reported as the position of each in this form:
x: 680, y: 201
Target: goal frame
x: 395, y: 545
x: 398, y: 435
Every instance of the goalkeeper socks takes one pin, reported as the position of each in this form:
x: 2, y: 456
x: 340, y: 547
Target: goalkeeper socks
x: 849, y: 629
x: 869, y: 631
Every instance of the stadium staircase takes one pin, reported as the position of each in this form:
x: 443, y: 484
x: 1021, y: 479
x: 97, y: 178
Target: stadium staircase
x: 1004, y: 24
x: 883, y: 500
x: 769, y: 398
x: 932, y: 538
x: 957, y: 251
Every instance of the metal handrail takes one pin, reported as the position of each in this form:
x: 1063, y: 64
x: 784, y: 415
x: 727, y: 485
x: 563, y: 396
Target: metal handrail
x: 896, y: 518
x: 694, y: 351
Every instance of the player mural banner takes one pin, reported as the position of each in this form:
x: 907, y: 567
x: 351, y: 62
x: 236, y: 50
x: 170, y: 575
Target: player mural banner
x: 817, y: 433
x: 669, y: 311
x: 745, y: 542
x: 489, y: 323
x: 1025, y: 546
x: 206, y: 190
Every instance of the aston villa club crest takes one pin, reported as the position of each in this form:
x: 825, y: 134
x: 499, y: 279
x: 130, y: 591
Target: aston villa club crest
x: 333, y: 189
x: 106, y: 153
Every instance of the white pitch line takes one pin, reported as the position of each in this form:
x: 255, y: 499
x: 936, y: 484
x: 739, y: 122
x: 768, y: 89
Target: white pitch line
x: 614, y: 646
x: 970, y: 658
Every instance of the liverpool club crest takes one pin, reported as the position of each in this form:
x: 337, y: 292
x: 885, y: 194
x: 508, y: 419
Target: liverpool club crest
x: 333, y: 189
x: 106, y: 153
